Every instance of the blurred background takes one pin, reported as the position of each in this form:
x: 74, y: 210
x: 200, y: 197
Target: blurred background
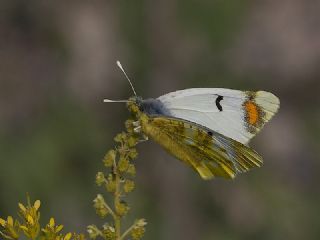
x: 57, y: 63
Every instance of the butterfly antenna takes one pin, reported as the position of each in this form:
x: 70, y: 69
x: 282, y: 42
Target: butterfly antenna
x: 115, y: 101
x: 120, y: 66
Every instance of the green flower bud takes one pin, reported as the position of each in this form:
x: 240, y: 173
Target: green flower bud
x: 109, y: 232
x: 138, y: 231
x: 100, y: 179
x: 100, y: 205
x: 122, y: 208
x: 123, y: 164
x: 109, y: 158
x: 131, y: 170
x: 129, y: 126
x: 120, y: 137
x: 128, y: 186
x: 133, y: 153
x: 110, y: 184
x: 132, y: 141
x: 93, y: 231
x: 140, y: 222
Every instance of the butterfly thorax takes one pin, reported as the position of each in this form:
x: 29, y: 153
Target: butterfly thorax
x: 150, y: 107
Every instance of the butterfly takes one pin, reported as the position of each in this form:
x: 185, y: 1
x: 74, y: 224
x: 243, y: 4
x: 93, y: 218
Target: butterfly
x: 206, y: 128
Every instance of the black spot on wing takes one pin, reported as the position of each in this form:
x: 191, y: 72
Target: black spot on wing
x: 218, y: 100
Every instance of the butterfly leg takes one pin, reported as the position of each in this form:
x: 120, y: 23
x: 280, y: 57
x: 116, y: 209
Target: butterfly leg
x: 143, y: 136
x: 136, y: 124
x: 143, y: 139
x: 137, y: 129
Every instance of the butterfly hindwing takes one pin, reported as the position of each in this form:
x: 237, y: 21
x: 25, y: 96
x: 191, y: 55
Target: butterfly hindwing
x: 211, y: 154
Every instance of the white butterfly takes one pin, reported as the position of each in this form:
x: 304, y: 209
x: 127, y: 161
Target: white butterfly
x: 207, y: 128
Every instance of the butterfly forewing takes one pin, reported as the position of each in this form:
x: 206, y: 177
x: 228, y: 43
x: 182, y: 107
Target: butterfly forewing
x: 236, y: 114
x: 211, y: 154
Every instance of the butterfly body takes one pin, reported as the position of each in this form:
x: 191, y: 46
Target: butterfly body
x: 208, y: 129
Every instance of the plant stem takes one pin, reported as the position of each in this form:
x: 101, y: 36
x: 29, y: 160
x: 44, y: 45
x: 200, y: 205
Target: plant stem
x: 110, y: 210
x: 117, y: 220
x: 127, y: 232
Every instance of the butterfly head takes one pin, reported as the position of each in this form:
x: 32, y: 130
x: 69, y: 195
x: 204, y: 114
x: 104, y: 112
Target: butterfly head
x: 133, y: 105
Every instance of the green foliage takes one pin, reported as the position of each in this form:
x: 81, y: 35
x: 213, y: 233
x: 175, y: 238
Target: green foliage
x: 28, y: 225
x: 117, y: 181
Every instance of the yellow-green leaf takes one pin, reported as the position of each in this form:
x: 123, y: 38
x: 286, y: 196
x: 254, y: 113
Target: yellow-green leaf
x: 10, y: 221
x: 59, y: 228
x: 2, y: 222
x: 22, y: 207
x: 68, y: 236
x: 37, y: 204
x: 51, y: 222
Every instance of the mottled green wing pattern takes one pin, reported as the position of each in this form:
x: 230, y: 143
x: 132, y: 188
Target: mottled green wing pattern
x: 209, y: 153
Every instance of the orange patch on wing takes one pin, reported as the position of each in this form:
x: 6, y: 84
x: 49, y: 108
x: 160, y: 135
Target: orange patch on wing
x: 252, y: 112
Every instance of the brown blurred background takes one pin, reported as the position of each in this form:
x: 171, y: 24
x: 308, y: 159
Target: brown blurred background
x: 57, y: 63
